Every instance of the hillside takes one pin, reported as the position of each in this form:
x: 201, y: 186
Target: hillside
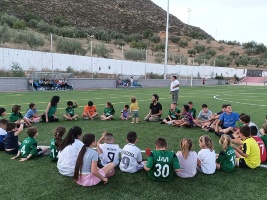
x: 127, y: 16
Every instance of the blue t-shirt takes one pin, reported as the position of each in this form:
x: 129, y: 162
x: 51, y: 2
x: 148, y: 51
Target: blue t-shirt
x: 89, y: 156
x: 229, y: 120
x: 29, y: 114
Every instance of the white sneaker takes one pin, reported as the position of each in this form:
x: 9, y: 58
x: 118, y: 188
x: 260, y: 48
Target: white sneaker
x: 85, y: 117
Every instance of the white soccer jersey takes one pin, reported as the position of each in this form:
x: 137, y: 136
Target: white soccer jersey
x: 130, y: 156
x: 67, y: 158
x: 110, y: 153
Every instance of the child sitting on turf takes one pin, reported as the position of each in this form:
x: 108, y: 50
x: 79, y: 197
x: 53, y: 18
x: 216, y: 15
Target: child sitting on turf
x: 11, y: 139
x: 31, y: 114
x: 187, y: 159
x: 55, y: 142
x: 173, y: 114
x: 16, y: 116
x: 253, y: 134
x: 264, y: 134
x: 131, y: 157
x: 206, y: 162
x: 125, y: 114
x: 204, y: 117
x: 161, y: 163
x: 86, y: 172
x: 2, y: 113
x: 248, y: 154
x: 108, y: 112
x: 226, y: 159
x: 70, y: 111
x: 134, y: 110
x: 187, y: 119
x: 192, y: 110
x: 3, y: 123
x: 28, y: 148
x: 108, y: 151
x: 68, y: 151
x: 89, y: 111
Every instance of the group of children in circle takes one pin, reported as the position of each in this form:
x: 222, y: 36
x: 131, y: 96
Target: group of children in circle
x: 89, y: 167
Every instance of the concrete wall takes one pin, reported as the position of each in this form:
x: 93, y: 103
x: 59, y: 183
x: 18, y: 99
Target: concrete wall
x: 36, y: 61
x: 21, y: 84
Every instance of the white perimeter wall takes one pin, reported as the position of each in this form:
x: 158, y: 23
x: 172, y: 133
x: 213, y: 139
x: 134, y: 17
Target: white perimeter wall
x: 38, y: 60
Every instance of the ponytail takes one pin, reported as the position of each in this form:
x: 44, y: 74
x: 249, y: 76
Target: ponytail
x: 186, y: 145
x: 59, y: 132
x: 206, y: 140
x: 73, y: 134
x: 88, y: 139
x: 225, y: 141
x: 79, y: 163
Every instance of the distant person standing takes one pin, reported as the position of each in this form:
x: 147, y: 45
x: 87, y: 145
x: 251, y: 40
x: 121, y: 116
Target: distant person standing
x: 174, y: 89
x: 203, y: 81
x: 131, y: 81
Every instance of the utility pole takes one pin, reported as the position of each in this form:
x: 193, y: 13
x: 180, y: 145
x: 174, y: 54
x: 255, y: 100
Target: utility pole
x: 166, y: 42
x: 189, y: 10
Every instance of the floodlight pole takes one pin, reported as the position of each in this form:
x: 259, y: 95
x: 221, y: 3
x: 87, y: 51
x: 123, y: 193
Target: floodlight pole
x: 145, y: 63
x: 166, y: 42
x: 91, y: 43
x: 51, y: 38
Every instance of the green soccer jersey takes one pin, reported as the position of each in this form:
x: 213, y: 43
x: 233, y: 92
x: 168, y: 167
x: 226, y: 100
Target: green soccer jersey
x: 226, y: 159
x: 172, y: 114
x: 109, y: 111
x: 193, y: 112
x: 52, y: 110
x: 28, y: 146
x: 53, y: 150
x: 161, y: 164
x: 15, y: 117
x: 264, y: 139
x: 70, y: 111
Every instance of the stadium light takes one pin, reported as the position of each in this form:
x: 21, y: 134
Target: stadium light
x: 166, y: 42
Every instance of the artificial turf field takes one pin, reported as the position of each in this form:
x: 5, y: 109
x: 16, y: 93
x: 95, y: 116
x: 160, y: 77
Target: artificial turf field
x: 38, y: 178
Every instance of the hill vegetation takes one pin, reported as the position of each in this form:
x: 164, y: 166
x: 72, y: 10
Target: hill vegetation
x: 134, y: 26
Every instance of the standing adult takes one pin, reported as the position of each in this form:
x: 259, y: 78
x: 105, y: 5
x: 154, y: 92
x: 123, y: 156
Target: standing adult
x: 50, y: 112
x: 131, y: 80
x: 155, y: 111
x: 174, y: 89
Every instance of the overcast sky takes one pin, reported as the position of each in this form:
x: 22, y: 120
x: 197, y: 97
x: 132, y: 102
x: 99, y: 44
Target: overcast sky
x: 241, y: 20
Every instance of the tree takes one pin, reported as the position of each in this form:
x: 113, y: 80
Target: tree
x: 148, y: 33
x: 175, y: 39
x: 183, y: 43
x: 70, y: 46
x: 102, y: 51
x: 159, y: 57
x: 199, y: 48
x: 155, y: 39
x: 191, y: 52
x: 135, y: 54
x: 119, y: 42
x: 5, y: 34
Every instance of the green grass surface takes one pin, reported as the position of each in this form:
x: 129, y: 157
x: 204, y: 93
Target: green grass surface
x: 38, y: 178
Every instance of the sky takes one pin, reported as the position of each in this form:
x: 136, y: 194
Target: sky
x: 240, y: 20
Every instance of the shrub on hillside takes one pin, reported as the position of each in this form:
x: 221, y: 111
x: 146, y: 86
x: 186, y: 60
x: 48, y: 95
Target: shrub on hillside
x: 234, y: 54
x: 30, y: 38
x: 191, y: 52
x: 45, y: 27
x: 70, y: 47
x: 102, y: 51
x: 135, y: 54
x: 19, y: 24
x: 152, y: 75
x: 199, y: 48
x: 210, y: 52
x: 175, y: 39
x: 120, y: 43
x: 159, y: 57
x: 183, y: 43
x: 242, y: 60
x: 138, y: 45
x: 180, y: 59
x: 155, y: 39
x: 8, y: 19
x: 197, y: 35
x: 148, y: 33
x: 5, y: 34
x: 33, y: 23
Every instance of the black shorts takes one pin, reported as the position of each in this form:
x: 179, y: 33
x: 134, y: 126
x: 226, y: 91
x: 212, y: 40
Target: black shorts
x: 14, y: 151
x: 39, y: 152
x: 242, y: 163
x: 167, y: 118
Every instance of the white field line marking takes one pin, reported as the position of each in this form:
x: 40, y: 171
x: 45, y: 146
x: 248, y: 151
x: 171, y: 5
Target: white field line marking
x: 251, y: 104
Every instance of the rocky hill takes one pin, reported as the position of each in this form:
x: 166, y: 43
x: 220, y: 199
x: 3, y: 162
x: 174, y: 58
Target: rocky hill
x: 128, y: 16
